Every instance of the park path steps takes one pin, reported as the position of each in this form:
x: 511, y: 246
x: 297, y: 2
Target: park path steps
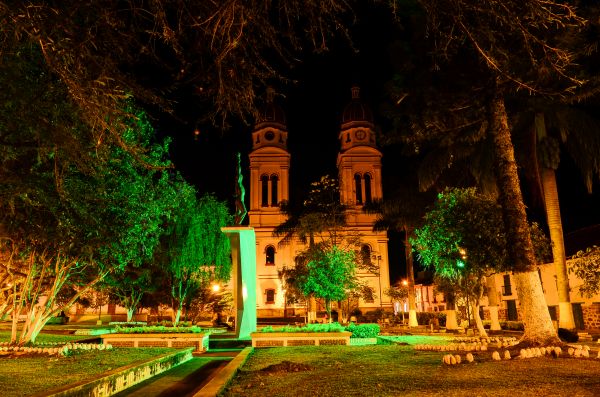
x: 185, y: 379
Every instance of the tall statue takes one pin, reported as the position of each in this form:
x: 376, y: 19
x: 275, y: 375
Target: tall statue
x: 240, y: 208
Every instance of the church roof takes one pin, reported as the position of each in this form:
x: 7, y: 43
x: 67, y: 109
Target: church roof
x: 271, y: 114
x: 356, y: 112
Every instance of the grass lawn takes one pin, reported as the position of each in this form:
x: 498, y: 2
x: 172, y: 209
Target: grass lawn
x: 400, y: 371
x: 26, y: 375
x: 45, y: 338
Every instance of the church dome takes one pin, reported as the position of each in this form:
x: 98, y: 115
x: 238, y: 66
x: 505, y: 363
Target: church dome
x: 271, y: 113
x: 356, y: 113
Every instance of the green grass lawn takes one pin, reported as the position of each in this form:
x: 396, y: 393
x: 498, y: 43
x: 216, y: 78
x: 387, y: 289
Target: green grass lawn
x: 23, y: 376
x: 400, y: 371
x: 45, y: 338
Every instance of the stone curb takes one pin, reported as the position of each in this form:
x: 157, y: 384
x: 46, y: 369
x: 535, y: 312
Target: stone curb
x: 99, y: 386
x: 218, y: 383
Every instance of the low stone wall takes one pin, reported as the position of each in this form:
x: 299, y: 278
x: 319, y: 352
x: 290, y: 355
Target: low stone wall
x: 286, y: 339
x: 122, y: 378
x: 198, y: 341
x: 591, y: 316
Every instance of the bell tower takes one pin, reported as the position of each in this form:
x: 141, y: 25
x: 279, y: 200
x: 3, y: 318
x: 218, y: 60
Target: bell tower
x: 269, y: 166
x: 359, y: 160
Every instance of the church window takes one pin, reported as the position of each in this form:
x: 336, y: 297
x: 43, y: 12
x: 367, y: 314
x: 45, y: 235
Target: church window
x: 368, y: 196
x: 365, y: 254
x: 358, y: 188
x: 274, y: 198
x: 264, y: 180
x: 269, y: 296
x: 347, y: 138
x: 270, y: 255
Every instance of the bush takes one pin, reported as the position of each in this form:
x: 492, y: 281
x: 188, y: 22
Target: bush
x: 158, y: 330
x: 363, y: 330
x: 424, y: 318
x: 512, y: 325
x: 332, y: 327
x: 567, y: 336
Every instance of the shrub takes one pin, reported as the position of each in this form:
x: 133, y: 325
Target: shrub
x: 363, y: 330
x: 327, y: 327
x: 567, y: 336
x: 159, y: 330
x: 512, y: 325
x: 423, y: 318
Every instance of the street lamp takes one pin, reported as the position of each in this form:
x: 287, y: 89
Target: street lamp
x: 378, y: 258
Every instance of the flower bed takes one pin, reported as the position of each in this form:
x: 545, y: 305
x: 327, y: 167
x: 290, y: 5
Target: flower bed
x: 199, y: 341
x: 285, y: 339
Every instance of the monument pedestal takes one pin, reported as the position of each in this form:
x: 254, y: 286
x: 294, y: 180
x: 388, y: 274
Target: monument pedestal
x: 243, y: 257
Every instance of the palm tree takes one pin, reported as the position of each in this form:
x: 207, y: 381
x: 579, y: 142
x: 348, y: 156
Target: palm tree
x: 404, y: 212
x: 548, y: 126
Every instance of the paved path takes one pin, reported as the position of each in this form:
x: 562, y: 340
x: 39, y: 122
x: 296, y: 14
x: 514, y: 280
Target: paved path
x: 185, y: 379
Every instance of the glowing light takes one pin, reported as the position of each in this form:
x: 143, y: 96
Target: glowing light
x: 216, y: 287
x: 405, y: 282
x: 460, y: 264
x: 244, y: 292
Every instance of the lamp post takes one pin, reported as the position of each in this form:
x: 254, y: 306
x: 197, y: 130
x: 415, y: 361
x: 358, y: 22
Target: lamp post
x: 378, y: 258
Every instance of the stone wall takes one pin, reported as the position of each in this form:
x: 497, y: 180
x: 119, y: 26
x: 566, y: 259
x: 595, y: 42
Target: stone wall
x: 591, y: 316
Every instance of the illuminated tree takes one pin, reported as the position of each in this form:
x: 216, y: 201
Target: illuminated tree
x: 586, y: 265
x: 194, y: 249
x: 463, y: 238
x: 321, y: 223
x: 330, y: 274
x: 70, y: 212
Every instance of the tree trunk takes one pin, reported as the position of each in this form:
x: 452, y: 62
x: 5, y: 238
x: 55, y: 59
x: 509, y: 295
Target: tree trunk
x: 538, y: 325
x: 492, y: 295
x: 410, y: 273
x: 451, y: 320
x: 550, y: 191
x: 478, y: 322
x: 312, y: 309
x: 130, y: 311
x: 566, y: 319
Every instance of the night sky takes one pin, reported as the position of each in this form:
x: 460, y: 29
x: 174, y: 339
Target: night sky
x: 313, y: 106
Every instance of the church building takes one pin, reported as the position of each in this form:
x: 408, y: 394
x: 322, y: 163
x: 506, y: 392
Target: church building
x: 359, y: 175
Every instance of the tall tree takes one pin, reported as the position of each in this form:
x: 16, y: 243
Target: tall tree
x: 463, y: 238
x: 194, y: 249
x: 522, y: 48
x: 404, y: 211
x: 159, y: 51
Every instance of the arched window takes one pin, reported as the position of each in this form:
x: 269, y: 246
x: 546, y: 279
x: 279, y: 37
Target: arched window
x: 365, y: 254
x: 264, y: 180
x: 358, y: 188
x: 368, y: 189
x: 270, y: 256
x: 274, y: 181
x: 269, y: 296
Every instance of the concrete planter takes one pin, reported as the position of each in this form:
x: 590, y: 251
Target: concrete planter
x: 288, y: 339
x: 198, y: 341
x: 122, y: 378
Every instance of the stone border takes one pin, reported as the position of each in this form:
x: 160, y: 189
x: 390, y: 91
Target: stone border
x: 220, y: 381
x: 119, y: 379
x: 288, y: 339
x: 198, y: 341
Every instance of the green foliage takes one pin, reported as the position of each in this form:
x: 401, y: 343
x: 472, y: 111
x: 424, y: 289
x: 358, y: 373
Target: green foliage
x: 585, y: 265
x: 330, y: 273
x: 363, y: 330
x: 160, y: 330
x: 397, y: 293
x: 464, y: 234
x: 327, y: 327
x: 194, y: 250
x: 426, y: 317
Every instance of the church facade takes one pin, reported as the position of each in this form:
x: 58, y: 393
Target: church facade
x: 359, y: 176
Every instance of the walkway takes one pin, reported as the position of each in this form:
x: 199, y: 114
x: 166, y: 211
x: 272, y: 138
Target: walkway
x: 185, y: 379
